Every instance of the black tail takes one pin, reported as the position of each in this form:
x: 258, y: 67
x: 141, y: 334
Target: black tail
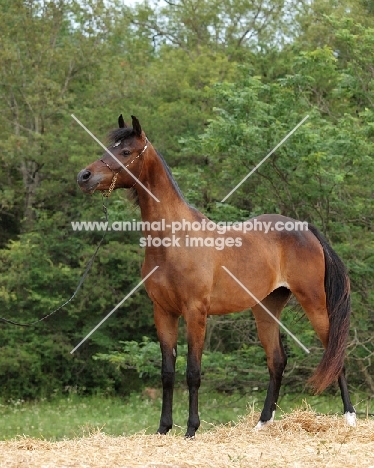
x: 337, y: 289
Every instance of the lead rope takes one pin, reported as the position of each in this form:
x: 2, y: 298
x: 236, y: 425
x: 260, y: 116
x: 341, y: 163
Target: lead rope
x: 107, y: 193
x: 86, y: 271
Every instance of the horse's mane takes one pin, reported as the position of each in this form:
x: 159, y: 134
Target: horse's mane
x: 120, y: 134
x: 173, y: 181
x: 133, y: 193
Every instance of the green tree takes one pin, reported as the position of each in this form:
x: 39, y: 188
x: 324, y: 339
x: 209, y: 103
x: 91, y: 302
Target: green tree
x: 52, y: 63
x: 322, y: 174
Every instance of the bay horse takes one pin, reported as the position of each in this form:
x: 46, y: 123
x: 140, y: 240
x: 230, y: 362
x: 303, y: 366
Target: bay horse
x: 192, y: 278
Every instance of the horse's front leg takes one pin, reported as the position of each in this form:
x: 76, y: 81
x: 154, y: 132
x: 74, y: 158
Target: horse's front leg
x: 167, y: 332
x: 196, y: 327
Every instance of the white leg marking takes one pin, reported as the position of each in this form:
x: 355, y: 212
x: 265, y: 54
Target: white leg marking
x: 350, y: 419
x: 262, y: 425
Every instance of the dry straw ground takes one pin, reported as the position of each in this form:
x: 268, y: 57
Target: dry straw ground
x: 300, y: 439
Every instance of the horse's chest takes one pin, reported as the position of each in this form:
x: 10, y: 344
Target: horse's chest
x: 176, y: 292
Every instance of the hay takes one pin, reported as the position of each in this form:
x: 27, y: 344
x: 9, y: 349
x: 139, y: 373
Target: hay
x: 299, y: 439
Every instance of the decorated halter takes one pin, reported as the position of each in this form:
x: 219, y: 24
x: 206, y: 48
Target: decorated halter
x: 115, y: 173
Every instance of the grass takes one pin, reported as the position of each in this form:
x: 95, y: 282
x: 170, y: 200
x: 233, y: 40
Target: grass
x: 301, y: 438
x: 73, y: 416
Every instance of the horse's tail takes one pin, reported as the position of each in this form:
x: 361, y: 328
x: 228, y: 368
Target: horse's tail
x: 337, y: 289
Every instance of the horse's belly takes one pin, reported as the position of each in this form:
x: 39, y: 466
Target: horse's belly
x: 235, y: 297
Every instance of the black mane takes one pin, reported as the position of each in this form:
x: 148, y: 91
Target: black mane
x: 133, y: 193
x: 173, y: 181
x: 120, y: 134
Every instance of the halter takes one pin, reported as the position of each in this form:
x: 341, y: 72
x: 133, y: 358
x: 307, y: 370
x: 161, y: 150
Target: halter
x: 115, y: 173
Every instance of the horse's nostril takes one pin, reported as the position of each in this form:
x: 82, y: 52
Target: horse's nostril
x: 86, y: 175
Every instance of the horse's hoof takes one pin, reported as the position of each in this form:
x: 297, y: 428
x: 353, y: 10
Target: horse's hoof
x: 350, y: 419
x: 163, y: 430
x: 262, y: 425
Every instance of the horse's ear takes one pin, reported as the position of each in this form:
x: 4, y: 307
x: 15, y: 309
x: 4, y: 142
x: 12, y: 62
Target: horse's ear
x: 136, y: 126
x: 121, y: 122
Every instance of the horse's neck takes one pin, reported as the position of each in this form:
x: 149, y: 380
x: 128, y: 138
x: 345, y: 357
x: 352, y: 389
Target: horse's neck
x: 159, y: 182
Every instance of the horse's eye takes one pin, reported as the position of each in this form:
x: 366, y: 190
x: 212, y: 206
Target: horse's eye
x: 125, y: 153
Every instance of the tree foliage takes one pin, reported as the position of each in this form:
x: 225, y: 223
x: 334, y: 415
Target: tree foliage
x: 216, y: 86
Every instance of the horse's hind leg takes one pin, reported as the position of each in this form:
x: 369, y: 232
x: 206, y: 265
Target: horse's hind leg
x: 349, y: 411
x: 268, y: 332
x: 314, y: 306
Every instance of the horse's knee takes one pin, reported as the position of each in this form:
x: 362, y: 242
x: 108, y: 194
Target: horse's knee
x: 167, y: 379
x: 193, y: 378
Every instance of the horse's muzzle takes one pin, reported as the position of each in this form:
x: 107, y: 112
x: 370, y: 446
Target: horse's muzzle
x: 86, y: 182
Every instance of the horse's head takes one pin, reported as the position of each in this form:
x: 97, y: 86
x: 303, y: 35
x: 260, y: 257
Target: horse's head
x: 108, y: 173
